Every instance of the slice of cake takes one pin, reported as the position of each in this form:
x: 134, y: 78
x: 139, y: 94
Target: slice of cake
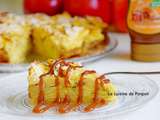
x: 66, y: 86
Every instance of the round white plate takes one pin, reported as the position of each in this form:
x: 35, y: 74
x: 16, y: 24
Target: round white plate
x: 83, y: 60
x: 14, y: 101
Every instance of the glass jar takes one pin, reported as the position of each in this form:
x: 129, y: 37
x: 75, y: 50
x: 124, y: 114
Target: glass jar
x: 144, y: 28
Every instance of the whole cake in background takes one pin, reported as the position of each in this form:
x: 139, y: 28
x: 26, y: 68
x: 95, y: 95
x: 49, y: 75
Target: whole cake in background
x: 24, y: 38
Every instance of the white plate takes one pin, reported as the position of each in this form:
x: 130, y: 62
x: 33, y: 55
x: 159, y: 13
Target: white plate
x: 86, y: 59
x: 14, y: 103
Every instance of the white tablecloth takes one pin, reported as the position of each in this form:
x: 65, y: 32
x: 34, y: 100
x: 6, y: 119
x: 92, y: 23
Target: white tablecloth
x: 119, y: 60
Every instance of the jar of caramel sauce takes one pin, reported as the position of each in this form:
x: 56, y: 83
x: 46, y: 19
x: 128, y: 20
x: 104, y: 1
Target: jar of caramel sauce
x: 143, y: 22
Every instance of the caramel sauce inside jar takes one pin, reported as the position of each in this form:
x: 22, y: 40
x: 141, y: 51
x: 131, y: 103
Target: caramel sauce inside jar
x: 145, y: 47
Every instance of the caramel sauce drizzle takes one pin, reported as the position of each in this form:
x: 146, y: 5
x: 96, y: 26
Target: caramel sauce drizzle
x: 41, y: 106
x: 63, y: 105
x: 57, y: 82
x: 97, y: 101
x: 80, y: 85
x: 68, y: 71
